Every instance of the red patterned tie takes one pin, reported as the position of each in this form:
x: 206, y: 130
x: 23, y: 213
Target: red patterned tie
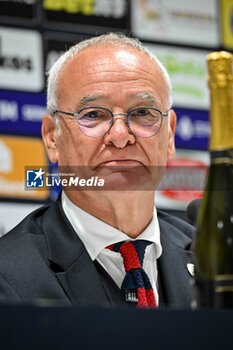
x: 136, y: 284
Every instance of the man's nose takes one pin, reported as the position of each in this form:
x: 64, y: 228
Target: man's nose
x: 119, y: 134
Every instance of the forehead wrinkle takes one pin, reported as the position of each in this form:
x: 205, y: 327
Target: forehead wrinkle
x: 143, y: 96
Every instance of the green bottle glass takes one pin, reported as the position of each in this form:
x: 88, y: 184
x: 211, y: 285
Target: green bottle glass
x: 214, y: 237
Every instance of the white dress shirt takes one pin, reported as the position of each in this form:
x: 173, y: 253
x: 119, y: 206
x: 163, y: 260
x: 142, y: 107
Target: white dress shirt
x: 96, y: 235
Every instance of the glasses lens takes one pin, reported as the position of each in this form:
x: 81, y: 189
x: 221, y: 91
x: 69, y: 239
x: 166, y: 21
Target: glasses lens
x: 94, y: 121
x: 145, y: 122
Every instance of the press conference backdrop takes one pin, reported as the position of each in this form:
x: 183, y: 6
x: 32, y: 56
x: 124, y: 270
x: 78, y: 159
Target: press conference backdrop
x: 34, y: 33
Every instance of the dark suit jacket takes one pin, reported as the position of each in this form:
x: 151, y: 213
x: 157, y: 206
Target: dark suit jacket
x: 43, y: 258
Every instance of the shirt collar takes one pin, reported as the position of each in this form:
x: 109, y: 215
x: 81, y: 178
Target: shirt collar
x: 88, y: 226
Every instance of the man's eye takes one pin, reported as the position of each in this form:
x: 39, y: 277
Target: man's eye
x: 92, y: 115
x: 142, y: 112
x: 95, y: 114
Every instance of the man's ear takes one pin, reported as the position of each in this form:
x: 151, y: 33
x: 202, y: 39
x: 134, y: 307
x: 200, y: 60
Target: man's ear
x: 171, y: 138
x: 49, y: 135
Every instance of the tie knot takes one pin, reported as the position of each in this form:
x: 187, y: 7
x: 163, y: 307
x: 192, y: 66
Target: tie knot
x: 132, y: 253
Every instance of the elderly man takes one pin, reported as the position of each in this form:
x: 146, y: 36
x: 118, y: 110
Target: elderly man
x: 109, y: 104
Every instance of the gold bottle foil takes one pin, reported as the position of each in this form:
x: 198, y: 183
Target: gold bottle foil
x: 220, y: 81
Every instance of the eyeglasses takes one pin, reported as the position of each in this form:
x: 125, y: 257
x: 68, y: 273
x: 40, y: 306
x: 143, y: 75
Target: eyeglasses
x: 97, y: 121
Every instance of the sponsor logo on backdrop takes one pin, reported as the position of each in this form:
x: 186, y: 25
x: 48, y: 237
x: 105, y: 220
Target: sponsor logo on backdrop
x: 21, y: 113
x: 21, y: 60
x: 188, y: 128
x: 187, y: 70
x: 193, y: 129
x: 14, y: 62
x: 185, y: 180
x: 8, y: 111
x: 179, y: 21
x: 94, y: 15
x: 15, y: 151
x: 109, y: 8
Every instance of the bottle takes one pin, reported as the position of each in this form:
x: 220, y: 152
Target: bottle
x: 214, y: 236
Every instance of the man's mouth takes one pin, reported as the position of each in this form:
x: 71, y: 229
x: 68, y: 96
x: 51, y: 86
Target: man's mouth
x: 121, y: 166
x: 121, y: 162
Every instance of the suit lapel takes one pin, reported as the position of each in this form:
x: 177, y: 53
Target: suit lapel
x: 175, y: 280
x: 82, y: 284
x: 70, y: 261
x: 80, y: 280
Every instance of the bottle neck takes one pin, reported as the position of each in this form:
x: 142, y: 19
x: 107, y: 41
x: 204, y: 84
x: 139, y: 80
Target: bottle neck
x: 220, y: 177
x: 222, y: 157
x: 221, y: 118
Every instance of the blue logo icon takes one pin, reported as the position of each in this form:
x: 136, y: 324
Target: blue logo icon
x: 35, y: 178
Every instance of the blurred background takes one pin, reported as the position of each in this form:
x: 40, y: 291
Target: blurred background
x: 32, y: 36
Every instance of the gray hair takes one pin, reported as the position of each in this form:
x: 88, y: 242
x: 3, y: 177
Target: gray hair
x: 117, y: 39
